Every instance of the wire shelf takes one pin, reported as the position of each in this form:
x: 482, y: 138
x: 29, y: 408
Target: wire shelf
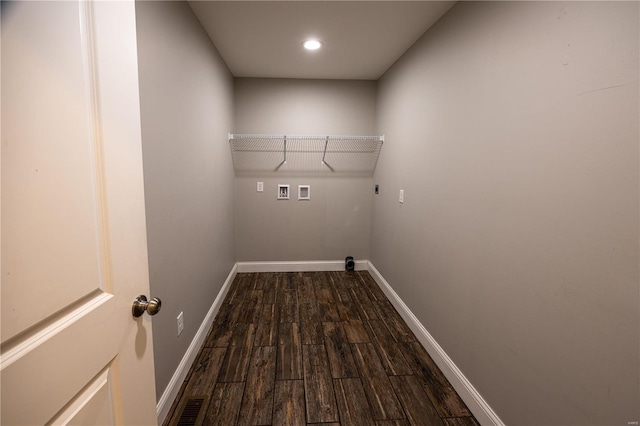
x: 332, y: 154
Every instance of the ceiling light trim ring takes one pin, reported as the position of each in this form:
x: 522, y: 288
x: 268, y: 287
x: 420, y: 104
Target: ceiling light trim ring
x: 312, y: 44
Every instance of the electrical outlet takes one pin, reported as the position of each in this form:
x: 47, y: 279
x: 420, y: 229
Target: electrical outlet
x: 260, y: 186
x: 401, y: 199
x: 180, y: 323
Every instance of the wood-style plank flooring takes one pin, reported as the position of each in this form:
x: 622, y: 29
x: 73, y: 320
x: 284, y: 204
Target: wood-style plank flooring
x: 309, y: 348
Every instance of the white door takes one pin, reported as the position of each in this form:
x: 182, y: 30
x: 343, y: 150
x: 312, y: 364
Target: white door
x: 74, y: 252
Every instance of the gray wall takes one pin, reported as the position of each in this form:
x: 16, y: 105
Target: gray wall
x: 513, y: 129
x: 336, y: 221
x: 186, y: 97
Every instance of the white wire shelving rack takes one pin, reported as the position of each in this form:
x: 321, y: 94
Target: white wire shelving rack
x: 316, y: 154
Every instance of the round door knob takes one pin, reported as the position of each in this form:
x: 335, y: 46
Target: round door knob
x: 141, y: 304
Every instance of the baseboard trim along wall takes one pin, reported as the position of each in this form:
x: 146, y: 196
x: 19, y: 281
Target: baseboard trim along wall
x: 478, y: 406
x: 302, y: 266
x: 172, y: 389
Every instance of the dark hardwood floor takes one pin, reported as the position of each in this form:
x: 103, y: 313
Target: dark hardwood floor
x: 313, y: 348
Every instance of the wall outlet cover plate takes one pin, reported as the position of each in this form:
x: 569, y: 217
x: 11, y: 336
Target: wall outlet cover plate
x: 180, y: 322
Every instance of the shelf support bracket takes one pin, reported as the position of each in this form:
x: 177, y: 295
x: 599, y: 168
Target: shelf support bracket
x: 326, y: 142
x: 284, y: 161
x: 285, y: 148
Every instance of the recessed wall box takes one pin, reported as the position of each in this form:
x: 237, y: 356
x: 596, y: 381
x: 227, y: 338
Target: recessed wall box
x: 304, y: 192
x: 283, y: 192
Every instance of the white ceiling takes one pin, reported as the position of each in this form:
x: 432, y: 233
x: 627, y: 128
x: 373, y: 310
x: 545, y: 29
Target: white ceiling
x: 361, y: 39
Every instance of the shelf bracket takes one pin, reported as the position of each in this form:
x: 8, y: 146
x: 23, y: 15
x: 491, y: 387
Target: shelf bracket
x: 284, y: 161
x: 326, y: 142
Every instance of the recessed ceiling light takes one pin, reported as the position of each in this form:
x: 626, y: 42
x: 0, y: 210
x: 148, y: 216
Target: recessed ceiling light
x: 312, y: 44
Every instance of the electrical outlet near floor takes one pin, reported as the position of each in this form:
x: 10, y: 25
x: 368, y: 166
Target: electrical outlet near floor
x: 180, y: 323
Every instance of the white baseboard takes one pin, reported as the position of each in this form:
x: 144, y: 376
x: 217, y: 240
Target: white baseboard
x: 478, y: 406
x: 172, y: 389
x: 302, y: 266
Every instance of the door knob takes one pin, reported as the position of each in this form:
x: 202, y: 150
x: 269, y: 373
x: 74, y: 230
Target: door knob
x: 141, y: 304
